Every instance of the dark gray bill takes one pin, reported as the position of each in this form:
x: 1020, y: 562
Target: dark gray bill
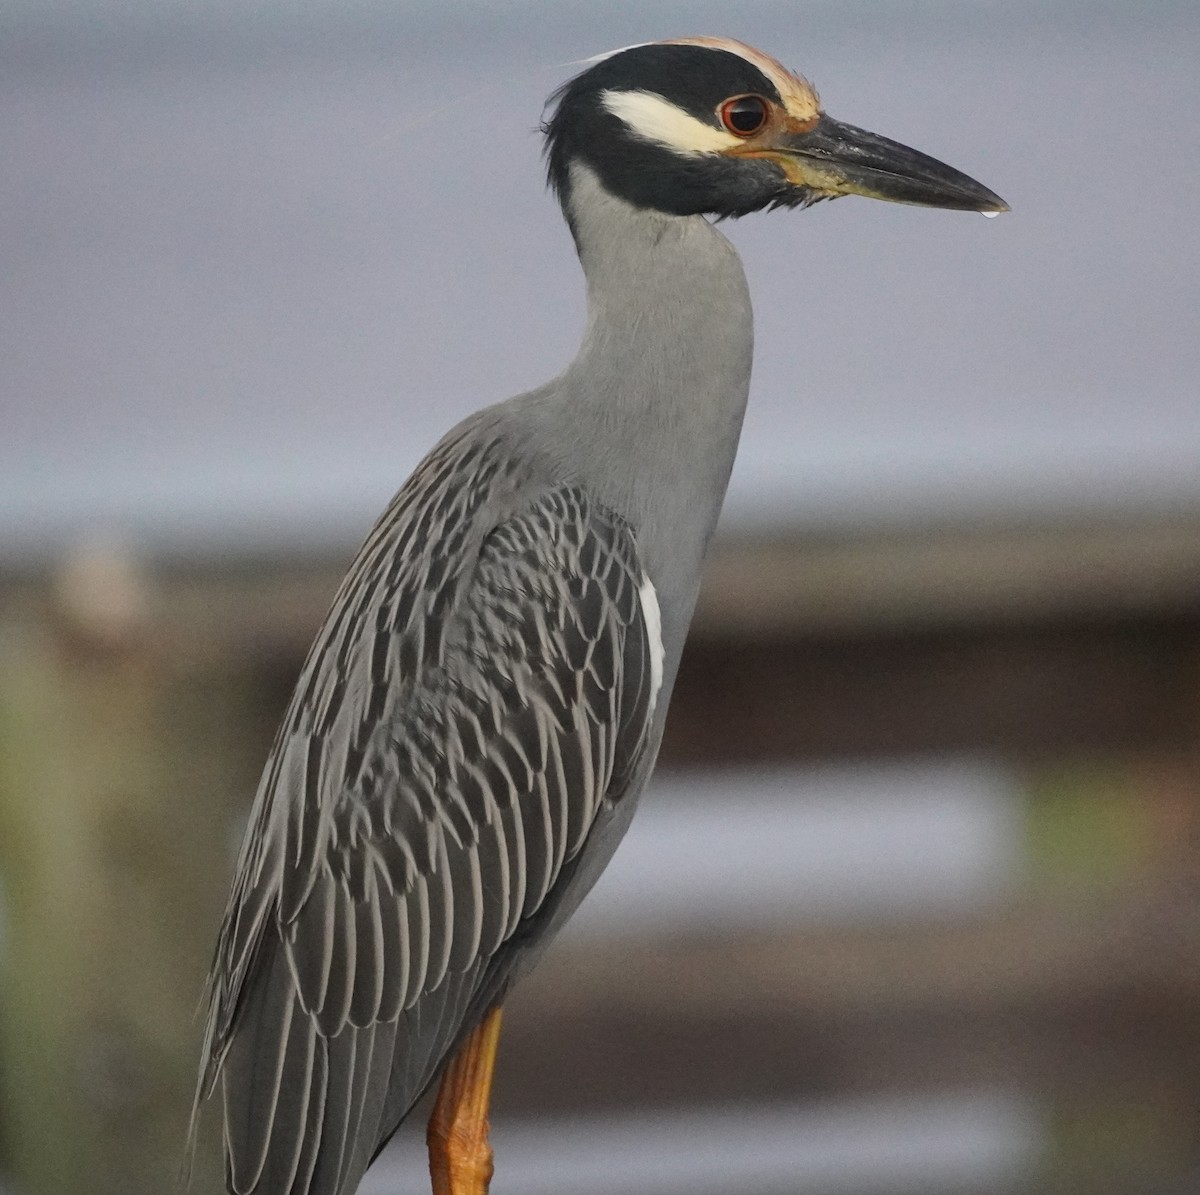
x: 845, y: 160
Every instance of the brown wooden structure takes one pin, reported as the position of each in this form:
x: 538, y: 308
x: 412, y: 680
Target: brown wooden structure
x: 137, y: 701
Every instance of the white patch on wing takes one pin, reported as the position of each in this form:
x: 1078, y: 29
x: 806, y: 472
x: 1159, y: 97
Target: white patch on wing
x: 653, y: 118
x: 653, y: 618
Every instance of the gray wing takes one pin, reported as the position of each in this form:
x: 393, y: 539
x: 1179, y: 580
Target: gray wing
x: 468, y: 712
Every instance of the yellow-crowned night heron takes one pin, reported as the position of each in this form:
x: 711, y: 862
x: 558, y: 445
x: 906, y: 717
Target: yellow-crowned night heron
x: 484, y: 703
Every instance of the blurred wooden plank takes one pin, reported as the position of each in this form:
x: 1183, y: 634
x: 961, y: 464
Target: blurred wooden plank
x: 1069, y: 685
x: 831, y: 582
x: 915, y: 578
x: 1037, y: 996
x: 1033, y: 952
x: 1135, y: 1041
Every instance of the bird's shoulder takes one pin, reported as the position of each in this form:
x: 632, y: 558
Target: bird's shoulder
x: 481, y: 541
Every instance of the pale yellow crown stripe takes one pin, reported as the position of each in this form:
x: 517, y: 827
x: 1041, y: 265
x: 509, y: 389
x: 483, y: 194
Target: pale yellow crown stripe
x: 798, y: 95
x: 655, y: 119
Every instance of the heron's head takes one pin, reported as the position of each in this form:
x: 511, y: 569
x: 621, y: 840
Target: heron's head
x: 708, y: 125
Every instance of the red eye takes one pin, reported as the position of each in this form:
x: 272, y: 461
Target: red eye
x: 744, y: 114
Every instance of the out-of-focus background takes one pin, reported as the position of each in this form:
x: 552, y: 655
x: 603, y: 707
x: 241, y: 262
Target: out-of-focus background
x: 915, y: 905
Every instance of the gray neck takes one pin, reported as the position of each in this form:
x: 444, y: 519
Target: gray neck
x: 660, y: 383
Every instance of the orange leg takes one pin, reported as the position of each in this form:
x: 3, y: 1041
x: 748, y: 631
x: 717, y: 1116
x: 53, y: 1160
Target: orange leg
x: 460, y: 1157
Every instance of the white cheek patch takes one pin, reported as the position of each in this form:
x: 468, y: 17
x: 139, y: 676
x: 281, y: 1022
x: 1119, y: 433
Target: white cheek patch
x: 655, y: 119
x: 653, y: 619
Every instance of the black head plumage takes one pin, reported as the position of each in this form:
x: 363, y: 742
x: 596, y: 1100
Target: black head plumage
x: 697, y: 79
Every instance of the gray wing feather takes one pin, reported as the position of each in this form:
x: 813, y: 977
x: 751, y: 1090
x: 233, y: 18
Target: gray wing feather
x: 479, y: 690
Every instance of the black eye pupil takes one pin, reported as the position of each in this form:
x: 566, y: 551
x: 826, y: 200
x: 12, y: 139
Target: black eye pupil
x: 745, y: 115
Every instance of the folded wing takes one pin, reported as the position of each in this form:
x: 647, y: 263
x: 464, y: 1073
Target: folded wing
x: 456, y: 733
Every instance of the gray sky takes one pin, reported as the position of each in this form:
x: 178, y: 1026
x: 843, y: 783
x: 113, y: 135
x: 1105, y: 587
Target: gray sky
x: 251, y: 272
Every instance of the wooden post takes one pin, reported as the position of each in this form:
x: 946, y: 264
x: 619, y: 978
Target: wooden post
x: 122, y: 771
